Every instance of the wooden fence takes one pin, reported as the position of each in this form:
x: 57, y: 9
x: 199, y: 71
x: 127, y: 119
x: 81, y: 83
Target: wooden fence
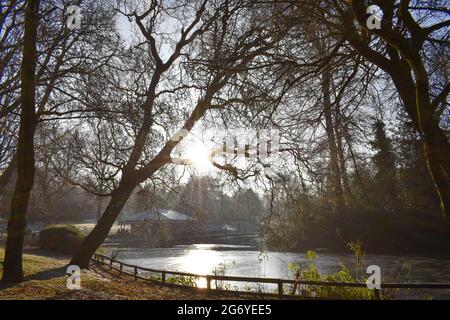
x: 136, y: 271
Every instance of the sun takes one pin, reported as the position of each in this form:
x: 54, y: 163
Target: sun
x: 199, y: 155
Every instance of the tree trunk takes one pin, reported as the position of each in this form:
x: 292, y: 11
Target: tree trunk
x: 340, y: 148
x: 434, y: 153
x: 101, y: 230
x: 99, y: 208
x: 436, y: 144
x: 335, y: 170
x: 405, y: 60
x: 416, y: 98
x: 12, y: 269
x: 7, y: 174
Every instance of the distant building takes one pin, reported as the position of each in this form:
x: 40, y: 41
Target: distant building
x: 155, y: 215
x: 178, y: 224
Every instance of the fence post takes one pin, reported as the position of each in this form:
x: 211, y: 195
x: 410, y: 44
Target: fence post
x: 163, y: 277
x: 280, y: 289
x: 208, y: 282
x: 135, y: 273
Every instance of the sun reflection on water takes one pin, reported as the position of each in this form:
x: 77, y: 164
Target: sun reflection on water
x: 200, y: 261
x: 201, y: 283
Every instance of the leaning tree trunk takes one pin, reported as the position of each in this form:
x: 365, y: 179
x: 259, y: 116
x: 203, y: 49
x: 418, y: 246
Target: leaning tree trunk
x: 436, y: 144
x: 416, y: 98
x: 405, y: 60
x: 440, y: 176
x: 12, y: 269
x: 335, y: 170
x: 96, y: 237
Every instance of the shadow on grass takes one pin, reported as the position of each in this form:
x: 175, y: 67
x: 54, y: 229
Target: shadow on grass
x: 46, y: 253
x: 44, y: 275
x: 48, y: 274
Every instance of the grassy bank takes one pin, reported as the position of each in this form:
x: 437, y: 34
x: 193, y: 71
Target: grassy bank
x: 45, y: 279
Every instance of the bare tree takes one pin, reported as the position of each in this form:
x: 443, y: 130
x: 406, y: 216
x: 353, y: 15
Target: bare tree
x: 11, y: 17
x: 205, y: 28
x: 12, y: 269
x: 53, y: 67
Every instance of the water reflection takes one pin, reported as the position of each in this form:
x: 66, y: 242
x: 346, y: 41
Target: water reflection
x: 197, y: 260
x: 203, y: 259
x: 201, y: 282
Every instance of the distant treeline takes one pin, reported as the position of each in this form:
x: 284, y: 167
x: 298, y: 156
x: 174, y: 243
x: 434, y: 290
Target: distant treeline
x: 390, y: 204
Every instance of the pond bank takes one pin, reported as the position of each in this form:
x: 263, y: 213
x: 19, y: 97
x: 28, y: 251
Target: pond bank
x: 45, y: 278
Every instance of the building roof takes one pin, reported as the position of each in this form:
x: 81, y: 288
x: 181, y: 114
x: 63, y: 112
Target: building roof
x: 155, y: 215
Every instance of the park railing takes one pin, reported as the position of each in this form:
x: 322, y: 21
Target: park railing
x: 163, y: 276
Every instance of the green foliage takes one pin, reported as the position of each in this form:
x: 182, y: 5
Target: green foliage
x: 309, y: 272
x: 185, y: 281
x: 64, y: 239
x: 356, y: 248
x: 417, y: 187
x: 385, y: 186
x: 154, y: 277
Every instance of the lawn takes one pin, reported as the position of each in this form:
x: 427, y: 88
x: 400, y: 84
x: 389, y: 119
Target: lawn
x: 45, y: 278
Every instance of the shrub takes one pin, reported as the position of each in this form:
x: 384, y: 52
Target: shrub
x: 310, y: 272
x: 60, y: 238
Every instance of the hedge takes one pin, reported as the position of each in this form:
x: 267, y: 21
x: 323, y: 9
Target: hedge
x: 60, y: 238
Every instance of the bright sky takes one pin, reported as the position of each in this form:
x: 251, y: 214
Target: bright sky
x: 197, y: 146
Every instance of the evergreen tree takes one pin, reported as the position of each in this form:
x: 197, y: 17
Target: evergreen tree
x: 416, y: 186
x: 385, y: 184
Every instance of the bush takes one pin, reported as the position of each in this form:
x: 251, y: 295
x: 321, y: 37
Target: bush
x: 60, y: 238
x: 310, y: 272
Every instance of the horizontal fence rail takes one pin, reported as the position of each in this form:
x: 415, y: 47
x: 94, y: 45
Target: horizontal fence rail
x: 136, y: 271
